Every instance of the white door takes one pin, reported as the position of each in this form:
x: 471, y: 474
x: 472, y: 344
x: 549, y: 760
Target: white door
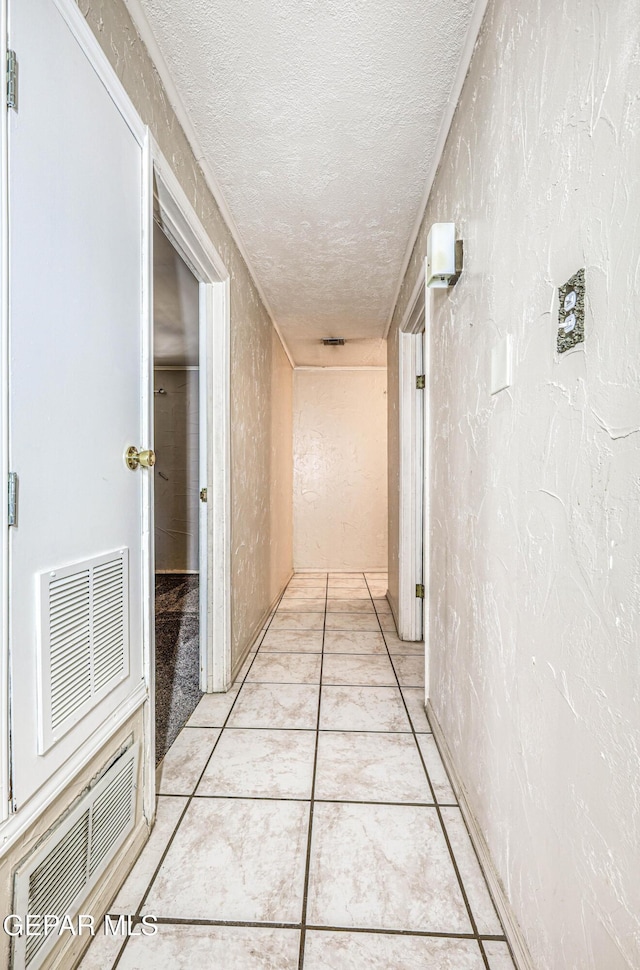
x: 77, y: 176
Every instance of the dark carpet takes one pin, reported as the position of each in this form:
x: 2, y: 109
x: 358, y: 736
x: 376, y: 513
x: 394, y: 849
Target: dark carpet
x: 177, y: 656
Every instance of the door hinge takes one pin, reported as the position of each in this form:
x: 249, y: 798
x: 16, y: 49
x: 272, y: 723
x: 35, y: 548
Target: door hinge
x: 203, y: 495
x: 420, y: 382
x: 419, y: 591
x: 13, y: 499
x: 12, y: 79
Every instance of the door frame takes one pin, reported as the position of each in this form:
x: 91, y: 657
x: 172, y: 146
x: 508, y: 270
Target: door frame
x: 412, y: 613
x: 4, y: 432
x: 184, y: 230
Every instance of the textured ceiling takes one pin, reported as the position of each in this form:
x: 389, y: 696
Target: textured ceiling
x: 319, y: 120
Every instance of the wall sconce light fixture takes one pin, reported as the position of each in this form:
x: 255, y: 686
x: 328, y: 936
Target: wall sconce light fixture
x: 444, y: 255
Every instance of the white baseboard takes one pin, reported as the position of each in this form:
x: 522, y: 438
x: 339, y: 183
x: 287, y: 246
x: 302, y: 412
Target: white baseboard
x: 339, y: 569
x: 515, y: 937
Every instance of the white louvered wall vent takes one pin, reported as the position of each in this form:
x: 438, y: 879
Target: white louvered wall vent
x: 84, y: 640
x: 58, y: 877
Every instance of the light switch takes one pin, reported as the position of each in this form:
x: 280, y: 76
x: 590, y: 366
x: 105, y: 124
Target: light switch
x: 502, y: 364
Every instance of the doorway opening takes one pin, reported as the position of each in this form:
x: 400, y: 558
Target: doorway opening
x: 177, y: 487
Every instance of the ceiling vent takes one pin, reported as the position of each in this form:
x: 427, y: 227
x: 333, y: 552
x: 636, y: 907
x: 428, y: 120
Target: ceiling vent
x: 333, y: 341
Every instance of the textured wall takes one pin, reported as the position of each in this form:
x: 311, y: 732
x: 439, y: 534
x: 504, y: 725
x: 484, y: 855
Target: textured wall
x: 340, y: 469
x: 252, y: 345
x: 177, y: 472
x: 535, y: 492
x: 281, y: 474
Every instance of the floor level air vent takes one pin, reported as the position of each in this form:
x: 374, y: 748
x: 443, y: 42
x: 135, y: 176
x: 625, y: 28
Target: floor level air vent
x: 58, y: 877
x: 84, y: 640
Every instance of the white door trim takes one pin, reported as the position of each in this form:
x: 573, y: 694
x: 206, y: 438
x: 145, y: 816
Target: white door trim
x: 4, y: 434
x: 189, y: 237
x: 411, y: 612
x: 426, y: 488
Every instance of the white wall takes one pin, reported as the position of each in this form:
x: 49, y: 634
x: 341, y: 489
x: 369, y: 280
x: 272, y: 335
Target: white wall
x: 340, y: 469
x: 177, y: 473
x: 535, y: 593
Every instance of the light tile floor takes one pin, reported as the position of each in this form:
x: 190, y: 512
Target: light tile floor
x: 305, y: 819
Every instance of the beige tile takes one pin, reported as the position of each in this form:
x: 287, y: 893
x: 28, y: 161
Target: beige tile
x: 383, y: 867
x: 362, y: 709
x: 304, y: 582
x: 179, y: 947
x: 352, y: 593
x: 469, y: 868
x: 168, y: 812
x: 293, y: 706
x: 354, y: 642
x: 414, y: 699
x: 244, y: 670
x: 331, y: 950
x: 403, y: 648
x: 102, y: 953
x: 377, y: 575
x: 297, y: 593
x: 372, y: 670
x: 292, y: 641
x: 345, y: 575
x: 285, y: 668
x: 387, y: 622
x: 261, y: 764
x: 310, y: 574
x: 350, y: 606
x: 179, y: 770
x: 347, y: 582
x: 297, y: 621
x: 370, y: 767
x: 301, y: 606
x: 498, y: 955
x: 364, y: 622
x: 437, y: 774
x: 410, y: 670
x: 251, y: 870
x: 382, y: 605
x: 213, y: 709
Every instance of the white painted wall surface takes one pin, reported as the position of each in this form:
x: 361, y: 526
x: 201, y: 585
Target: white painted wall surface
x: 281, y: 469
x: 176, y: 475
x: 340, y: 469
x: 535, y: 592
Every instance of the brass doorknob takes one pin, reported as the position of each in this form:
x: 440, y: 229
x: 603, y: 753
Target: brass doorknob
x: 133, y: 458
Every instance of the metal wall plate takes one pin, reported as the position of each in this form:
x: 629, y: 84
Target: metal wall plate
x: 571, y: 312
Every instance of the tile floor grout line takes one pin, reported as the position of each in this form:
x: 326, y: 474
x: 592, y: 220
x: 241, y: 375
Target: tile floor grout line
x: 215, y: 727
x: 326, y: 928
x: 307, y: 872
x: 472, y: 921
x: 261, y: 636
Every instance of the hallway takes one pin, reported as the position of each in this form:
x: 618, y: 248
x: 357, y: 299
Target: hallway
x: 325, y: 721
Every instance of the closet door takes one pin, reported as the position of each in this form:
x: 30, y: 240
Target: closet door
x: 78, y: 276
